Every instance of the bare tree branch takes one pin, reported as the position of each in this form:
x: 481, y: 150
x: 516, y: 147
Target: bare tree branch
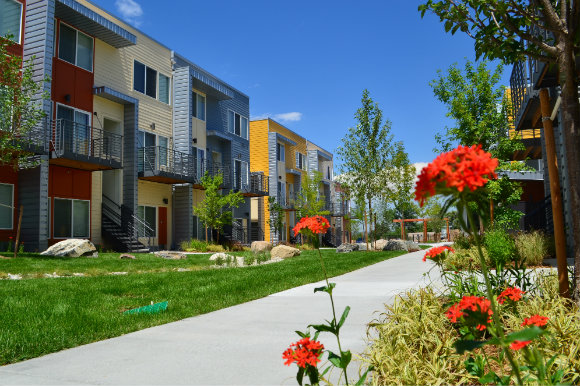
x: 551, y: 15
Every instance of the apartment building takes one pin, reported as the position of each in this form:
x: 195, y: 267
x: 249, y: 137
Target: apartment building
x: 131, y: 127
x: 287, y: 157
x: 526, y: 82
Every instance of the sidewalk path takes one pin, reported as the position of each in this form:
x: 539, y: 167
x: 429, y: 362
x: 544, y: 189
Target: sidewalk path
x: 239, y: 345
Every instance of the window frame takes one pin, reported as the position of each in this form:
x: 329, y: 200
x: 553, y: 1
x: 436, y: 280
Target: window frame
x: 194, y: 106
x: 144, y: 219
x: 232, y: 125
x: 12, y: 207
x: 20, y: 24
x: 280, y: 152
x: 158, y: 75
x: 72, y: 224
x: 77, y: 31
x: 300, y: 161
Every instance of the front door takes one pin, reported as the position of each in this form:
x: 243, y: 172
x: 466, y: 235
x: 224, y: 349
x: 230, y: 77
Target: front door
x: 162, y: 229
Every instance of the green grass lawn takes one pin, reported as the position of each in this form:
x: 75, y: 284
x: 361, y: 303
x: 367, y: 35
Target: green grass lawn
x: 33, y: 265
x: 40, y: 316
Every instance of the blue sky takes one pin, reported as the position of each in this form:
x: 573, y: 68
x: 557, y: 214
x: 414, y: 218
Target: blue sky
x: 306, y: 63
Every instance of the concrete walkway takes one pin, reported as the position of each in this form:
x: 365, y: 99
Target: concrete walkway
x: 240, y: 345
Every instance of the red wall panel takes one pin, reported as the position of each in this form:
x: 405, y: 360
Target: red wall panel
x: 69, y: 183
x: 77, y: 83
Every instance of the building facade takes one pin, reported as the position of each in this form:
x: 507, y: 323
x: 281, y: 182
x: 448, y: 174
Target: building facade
x: 288, y: 157
x: 130, y: 129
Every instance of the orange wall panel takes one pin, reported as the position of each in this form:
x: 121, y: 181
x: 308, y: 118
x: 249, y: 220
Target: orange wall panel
x: 69, y: 183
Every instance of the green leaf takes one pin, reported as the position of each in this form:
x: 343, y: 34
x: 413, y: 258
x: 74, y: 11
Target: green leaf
x: 323, y: 327
x: 303, y: 334
x: 327, y: 289
x: 490, y: 377
x: 345, y: 359
x: 343, y: 317
x: 464, y: 345
x: 363, y: 377
x: 529, y: 333
x: 334, y: 359
x: 300, y: 375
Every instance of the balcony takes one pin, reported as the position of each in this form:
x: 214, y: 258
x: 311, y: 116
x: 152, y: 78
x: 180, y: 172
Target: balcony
x: 166, y: 166
x: 84, y: 147
x: 215, y: 168
x: 339, y: 209
x: 525, y: 100
x: 30, y: 140
x: 256, y: 186
x: 531, y: 138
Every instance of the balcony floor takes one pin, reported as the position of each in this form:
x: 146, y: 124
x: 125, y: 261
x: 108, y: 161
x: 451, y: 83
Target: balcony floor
x: 164, y: 177
x: 83, y: 162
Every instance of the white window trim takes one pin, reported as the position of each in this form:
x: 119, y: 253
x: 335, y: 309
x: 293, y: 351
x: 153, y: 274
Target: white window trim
x: 72, y: 223
x: 12, y: 206
x: 76, y: 47
x: 158, y: 83
x: 241, y: 116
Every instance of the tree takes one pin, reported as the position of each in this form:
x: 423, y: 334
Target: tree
x: 215, y: 210
x: 366, y: 151
x: 19, y: 113
x: 309, y: 201
x: 276, y: 220
x: 546, y: 30
x: 481, y: 111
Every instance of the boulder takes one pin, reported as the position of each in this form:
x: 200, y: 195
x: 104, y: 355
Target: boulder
x: 412, y: 246
x: 171, y: 255
x: 362, y: 246
x: 127, y: 256
x: 284, y: 252
x: 380, y: 244
x: 347, y: 248
x: 221, y: 255
x: 261, y: 246
x: 395, y: 245
x: 72, y: 248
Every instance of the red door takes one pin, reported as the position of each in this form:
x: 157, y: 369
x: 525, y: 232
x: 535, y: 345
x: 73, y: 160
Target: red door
x: 162, y: 225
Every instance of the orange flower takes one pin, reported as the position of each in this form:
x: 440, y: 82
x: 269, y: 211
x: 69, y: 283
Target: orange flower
x: 434, y: 253
x: 314, y: 224
x: 304, y: 352
x: 454, y: 313
x: 511, y: 293
x: 464, y: 167
x: 475, y: 311
x: 536, y: 320
x: 519, y: 344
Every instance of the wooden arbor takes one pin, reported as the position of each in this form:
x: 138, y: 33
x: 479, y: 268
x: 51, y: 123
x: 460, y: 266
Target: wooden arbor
x: 424, y: 220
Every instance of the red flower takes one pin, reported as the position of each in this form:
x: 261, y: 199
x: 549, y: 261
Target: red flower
x: 511, y: 293
x: 475, y: 311
x: 304, y: 352
x: 536, y: 320
x: 315, y: 224
x: 464, y: 167
x: 519, y: 344
x: 434, y: 253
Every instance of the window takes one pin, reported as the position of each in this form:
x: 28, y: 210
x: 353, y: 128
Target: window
x: 145, y: 81
x: 10, y: 19
x: 280, y: 152
x: 164, y: 88
x: 241, y: 174
x: 157, y: 146
x: 300, y: 161
x: 237, y: 124
x: 6, y: 206
x: 71, y: 218
x: 198, y: 104
x: 76, y: 129
x: 75, y: 47
x: 148, y: 214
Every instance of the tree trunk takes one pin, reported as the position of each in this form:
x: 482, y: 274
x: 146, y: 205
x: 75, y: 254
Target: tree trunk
x: 370, y: 223
x: 570, y: 115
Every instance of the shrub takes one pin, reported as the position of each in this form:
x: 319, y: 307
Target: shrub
x: 464, y: 259
x: 262, y: 257
x: 532, y: 247
x: 194, y: 245
x: 461, y: 241
x: 500, y: 247
x: 215, y: 248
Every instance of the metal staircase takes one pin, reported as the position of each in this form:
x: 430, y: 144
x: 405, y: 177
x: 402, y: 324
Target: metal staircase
x: 120, y: 227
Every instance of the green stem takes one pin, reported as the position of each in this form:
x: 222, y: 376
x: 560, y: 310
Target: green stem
x: 333, y: 310
x: 496, y: 316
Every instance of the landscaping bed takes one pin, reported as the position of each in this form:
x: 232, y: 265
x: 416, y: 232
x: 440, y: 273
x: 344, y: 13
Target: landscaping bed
x: 40, y: 316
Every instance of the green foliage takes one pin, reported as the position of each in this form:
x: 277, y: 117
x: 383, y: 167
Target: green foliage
x: 309, y: 201
x: 500, y: 247
x: 463, y: 241
x: 20, y: 107
x: 532, y: 247
x: 276, y: 220
x: 215, y: 210
x: 194, y: 245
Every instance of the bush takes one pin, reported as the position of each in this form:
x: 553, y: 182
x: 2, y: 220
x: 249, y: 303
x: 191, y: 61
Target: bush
x: 215, y: 248
x: 500, y: 247
x: 532, y: 247
x: 464, y: 259
x: 194, y: 245
x: 461, y: 241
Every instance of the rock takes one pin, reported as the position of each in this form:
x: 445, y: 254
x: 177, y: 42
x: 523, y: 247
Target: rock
x: 72, y: 248
x: 362, y: 246
x: 221, y: 255
x: 14, y: 277
x: 284, y: 252
x: 347, y: 248
x: 127, y: 256
x: 380, y: 244
x: 170, y: 255
x: 395, y: 245
x: 261, y: 246
x: 412, y: 246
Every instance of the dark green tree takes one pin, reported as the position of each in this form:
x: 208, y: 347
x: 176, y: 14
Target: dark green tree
x: 276, y: 220
x: 309, y: 200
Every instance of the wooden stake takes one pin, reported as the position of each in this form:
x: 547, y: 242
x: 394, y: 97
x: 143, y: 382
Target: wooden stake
x: 448, y: 235
x: 557, y: 210
x: 16, y: 246
x: 425, y: 231
x: 366, y: 232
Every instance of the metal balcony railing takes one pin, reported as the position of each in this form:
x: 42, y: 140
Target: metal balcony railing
x: 76, y: 138
x: 339, y: 209
x: 157, y: 158
x: 33, y: 139
x: 215, y: 168
x: 520, y: 87
x: 257, y: 183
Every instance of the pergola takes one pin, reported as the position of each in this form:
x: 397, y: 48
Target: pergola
x: 424, y: 220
